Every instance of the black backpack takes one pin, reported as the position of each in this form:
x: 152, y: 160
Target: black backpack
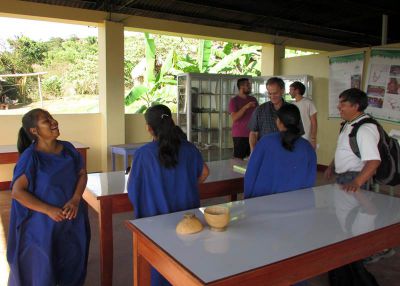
x: 388, y: 172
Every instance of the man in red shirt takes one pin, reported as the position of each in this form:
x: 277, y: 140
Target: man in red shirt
x: 241, y: 108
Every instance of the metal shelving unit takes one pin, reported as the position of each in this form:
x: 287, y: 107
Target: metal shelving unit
x: 203, y: 112
x: 203, y: 109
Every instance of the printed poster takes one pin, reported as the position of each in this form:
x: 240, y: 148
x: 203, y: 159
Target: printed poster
x: 344, y: 72
x: 383, y: 85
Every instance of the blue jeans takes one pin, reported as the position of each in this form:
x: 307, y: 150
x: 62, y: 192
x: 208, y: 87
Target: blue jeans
x: 348, y: 177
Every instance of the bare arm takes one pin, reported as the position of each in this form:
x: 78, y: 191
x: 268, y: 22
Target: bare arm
x: 366, y: 173
x: 239, y: 114
x: 313, y: 130
x: 70, y: 209
x: 204, y: 174
x: 20, y: 193
x: 330, y: 170
x: 253, y: 138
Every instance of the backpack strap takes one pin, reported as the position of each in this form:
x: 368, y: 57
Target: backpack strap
x: 353, y: 133
x: 342, y: 124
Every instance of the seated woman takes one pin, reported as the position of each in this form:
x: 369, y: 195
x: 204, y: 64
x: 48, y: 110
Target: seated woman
x: 49, y: 234
x: 281, y: 161
x: 165, y: 173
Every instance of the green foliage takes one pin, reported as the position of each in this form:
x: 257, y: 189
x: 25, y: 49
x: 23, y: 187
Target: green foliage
x: 150, y: 52
x: 25, y: 53
x: 154, y: 85
x: 52, y: 86
x: 135, y: 94
x: 159, y: 84
x: 72, y: 65
x: 204, y: 52
x: 84, y: 75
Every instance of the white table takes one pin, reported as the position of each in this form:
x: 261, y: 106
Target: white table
x: 106, y: 193
x: 125, y: 150
x: 282, y: 239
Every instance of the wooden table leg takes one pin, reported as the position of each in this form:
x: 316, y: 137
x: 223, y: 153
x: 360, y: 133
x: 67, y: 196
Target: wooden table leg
x: 141, y: 268
x: 112, y: 160
x: 106, y: 242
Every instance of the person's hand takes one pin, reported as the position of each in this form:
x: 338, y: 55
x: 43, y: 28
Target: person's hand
x: 313, y: 144
x: 250, y: 105
x: 55, y: 213
x: 328, y: 172
x: 70, y: 209
x: 351, y: 187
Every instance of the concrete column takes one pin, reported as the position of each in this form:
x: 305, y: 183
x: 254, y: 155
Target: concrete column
x: 111, y: 88
x: 271, y: 57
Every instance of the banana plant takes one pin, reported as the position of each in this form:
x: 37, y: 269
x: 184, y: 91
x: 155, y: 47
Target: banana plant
x: 149, y: 90
x: 160, y: 87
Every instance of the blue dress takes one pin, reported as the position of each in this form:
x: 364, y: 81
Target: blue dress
x: 155, y: 190
x: 40, y: 251
x: 273, y: 169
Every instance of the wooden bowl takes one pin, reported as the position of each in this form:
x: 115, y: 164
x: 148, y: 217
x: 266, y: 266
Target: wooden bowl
x: 189, y: 224
x: 217, y: 217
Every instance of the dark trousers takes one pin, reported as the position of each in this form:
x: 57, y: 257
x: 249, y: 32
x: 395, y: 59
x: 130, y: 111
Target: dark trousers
x: 353, y: 274
x: 241, y: 147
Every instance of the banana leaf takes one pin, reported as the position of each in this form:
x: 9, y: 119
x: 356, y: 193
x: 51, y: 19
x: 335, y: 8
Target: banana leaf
x: 228, y: 48
x: 150, y: 52
x: 166, y: 66
x: 229, y: 59
x: 134, y: 94
x: 141, y: 109
x: 203, y: 55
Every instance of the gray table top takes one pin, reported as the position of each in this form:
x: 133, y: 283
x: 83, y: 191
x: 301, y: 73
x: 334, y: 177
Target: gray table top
x: 114, y: 183
x: 269, y: 229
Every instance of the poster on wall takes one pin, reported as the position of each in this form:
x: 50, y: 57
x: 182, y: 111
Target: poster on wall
x: 383, y: 85
x: 344, y: 72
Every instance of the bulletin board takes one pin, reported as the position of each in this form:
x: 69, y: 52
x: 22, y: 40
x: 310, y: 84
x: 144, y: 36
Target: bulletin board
x: 345, y: 72
x: 383, y: 84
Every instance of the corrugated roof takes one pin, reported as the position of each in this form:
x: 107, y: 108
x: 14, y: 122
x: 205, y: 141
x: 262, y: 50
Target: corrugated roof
x: 351, y: 22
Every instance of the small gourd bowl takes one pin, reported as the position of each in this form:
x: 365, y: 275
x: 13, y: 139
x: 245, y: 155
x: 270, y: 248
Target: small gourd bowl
x: 189, y: 224
x: 217, y: 217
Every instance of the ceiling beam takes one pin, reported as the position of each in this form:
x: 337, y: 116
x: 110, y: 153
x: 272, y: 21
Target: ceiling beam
x: 366, y: 39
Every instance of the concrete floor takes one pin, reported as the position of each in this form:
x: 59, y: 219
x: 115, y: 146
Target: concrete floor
x: 386, y: 271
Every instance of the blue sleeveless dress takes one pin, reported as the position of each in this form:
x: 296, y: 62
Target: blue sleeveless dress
x: 40, y: 251
x: 155, y: 190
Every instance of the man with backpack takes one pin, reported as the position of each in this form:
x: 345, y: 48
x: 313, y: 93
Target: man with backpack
x: 358, y: 152
x: 352, y: 171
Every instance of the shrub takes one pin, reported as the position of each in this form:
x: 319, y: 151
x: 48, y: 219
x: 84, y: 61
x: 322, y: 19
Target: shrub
x: 52, y: 86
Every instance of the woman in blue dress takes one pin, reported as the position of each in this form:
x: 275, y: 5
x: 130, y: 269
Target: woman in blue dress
x: 165, y: 173
x: 49, y: 231
x: 282, y: 161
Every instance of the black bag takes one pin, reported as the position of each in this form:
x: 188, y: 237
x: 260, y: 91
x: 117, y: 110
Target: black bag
x: 353, y: 274
x: 388, y: 172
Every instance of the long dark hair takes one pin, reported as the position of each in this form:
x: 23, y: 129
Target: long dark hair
x: 289, y: 115
x: 25, y: 137
x: 168, y: 135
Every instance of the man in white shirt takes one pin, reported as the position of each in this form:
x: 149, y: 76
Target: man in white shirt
x: 354, y: 172
x: 308, y: 112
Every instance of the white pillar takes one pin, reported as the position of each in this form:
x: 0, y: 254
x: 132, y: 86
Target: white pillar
x: 271, y: 57
x: 111, y: 88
